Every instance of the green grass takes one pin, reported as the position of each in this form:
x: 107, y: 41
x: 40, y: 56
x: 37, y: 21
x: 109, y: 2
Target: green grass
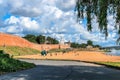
x: 110, y: 64
x: 59, y: 50
x: 8, y: 64
x: 16, y: 51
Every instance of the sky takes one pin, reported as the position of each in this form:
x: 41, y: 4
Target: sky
x: 55, y: 18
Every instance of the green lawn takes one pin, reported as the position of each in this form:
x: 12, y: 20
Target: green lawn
x: 16, y: 51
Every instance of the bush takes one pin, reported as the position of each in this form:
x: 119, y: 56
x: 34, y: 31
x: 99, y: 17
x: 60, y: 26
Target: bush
x: 8, y: 64
x: 1, y: 51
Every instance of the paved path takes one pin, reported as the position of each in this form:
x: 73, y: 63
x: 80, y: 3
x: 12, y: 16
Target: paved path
x: 64, y: 70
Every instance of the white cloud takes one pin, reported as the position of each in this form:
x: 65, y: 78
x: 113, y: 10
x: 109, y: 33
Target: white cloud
x: 21, y: 24
x: 27, y: 8
x: 55, y: 17
x: 12, y: 20
x: 66, y: 5
x: 29, y: 24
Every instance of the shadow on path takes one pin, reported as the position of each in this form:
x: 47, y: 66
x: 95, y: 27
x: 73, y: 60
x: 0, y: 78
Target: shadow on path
x: 69, y: 72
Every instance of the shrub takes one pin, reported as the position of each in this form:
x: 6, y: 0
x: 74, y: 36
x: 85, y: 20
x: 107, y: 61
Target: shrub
x: 8, y: 64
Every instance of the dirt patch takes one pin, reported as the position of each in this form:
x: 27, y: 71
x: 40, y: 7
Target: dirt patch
x: 92, y: 56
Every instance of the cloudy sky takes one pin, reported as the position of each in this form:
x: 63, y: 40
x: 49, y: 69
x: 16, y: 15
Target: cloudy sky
x: 55, y: 18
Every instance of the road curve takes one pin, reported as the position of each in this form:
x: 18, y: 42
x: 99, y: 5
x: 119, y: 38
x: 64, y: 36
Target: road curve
x: 64, y: 70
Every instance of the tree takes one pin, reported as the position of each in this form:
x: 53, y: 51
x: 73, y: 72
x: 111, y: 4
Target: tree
x: 74, y: 45
x: 52, y: 40
x: 89, y: 42
x: 83, y: 45
x: 77, y: 45
x: 96, y: 46
x: 100, y: 9
x: 30, y: 38
x: 40, y: 39
x: 55, y: 41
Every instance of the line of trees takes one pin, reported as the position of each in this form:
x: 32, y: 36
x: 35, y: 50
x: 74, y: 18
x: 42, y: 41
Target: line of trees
x: 83, y: 45
x: 40, y: 39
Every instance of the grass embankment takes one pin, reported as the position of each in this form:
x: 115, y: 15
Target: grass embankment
x: 17, y: 51
x: 8, y: 64
x: 110, y: 64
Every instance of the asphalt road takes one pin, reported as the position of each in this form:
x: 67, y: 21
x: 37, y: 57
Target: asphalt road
x: 64, y: 70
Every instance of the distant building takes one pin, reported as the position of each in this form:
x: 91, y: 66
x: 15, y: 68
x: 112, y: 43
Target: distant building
x: 67, y: 43
x: 62, y: 41
x: 47, y: 42
x: 89, y: 47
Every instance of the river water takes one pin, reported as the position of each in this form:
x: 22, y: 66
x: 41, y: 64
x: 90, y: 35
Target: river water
x: 114, y: 52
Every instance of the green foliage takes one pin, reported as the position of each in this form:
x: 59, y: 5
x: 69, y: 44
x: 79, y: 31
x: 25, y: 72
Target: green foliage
x: 1, y: 51
x: 76, y: 45
x: 40, y: 39
x: 89, y: 42
x: 99, y: 9
x: 52, y: 40
x: 83, y: 45
x: 16, y: 51
x: 59, y: 50
x: 110, y: 64
x: 8, y: 64
x: 96, y: 46
x: 31, y: 38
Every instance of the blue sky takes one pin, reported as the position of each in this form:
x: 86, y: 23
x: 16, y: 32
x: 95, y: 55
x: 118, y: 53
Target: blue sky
x: 55, y: 18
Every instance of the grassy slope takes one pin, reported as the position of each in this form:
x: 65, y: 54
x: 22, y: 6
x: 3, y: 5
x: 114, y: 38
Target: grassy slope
x: 59, y: 50
x: 16, y: 51
x: 110, y: 64
x: 8, y: 64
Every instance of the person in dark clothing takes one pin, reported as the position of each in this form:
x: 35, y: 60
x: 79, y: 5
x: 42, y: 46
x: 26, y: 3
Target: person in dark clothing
x: 43, y: 53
